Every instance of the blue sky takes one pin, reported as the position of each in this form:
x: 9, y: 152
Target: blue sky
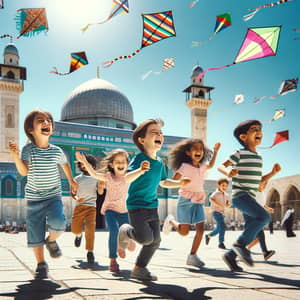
x: 161, y: 95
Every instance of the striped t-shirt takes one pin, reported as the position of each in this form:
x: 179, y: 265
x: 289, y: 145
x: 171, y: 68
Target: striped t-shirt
x: 43, y: 178
x: 249, y: 165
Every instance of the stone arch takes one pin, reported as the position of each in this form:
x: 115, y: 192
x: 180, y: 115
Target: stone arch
x: 10, y: 75
x: 292, y: 199
x: 8, y: 187
x: 273, y: 200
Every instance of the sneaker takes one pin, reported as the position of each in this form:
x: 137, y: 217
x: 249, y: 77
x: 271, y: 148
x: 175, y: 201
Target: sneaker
x: 114, y: 267
x: 207, y: 238
x: 77, y: 241
x: 41, y: 271
x: 167, y: 227
x: 123, y: 238
x: 143, y: 274
x: 231, y: 263
x: 268, y: 254
x: 53, y: 248
x: 195, y: 261
x: 243, y: 254
x: 90, y: 257
x: 131, y: 245
x: 222, y: 246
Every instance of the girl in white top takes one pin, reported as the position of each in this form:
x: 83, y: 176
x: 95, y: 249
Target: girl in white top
x: 116, y: 181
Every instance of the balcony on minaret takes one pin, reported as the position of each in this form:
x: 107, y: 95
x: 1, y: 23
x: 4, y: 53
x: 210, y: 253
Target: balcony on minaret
x: 197, y: 91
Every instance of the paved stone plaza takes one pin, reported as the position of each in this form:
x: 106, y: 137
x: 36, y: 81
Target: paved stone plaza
x: 71, y: 278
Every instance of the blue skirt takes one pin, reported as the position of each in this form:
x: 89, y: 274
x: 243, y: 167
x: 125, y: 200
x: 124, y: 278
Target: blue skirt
x: 188, y: 212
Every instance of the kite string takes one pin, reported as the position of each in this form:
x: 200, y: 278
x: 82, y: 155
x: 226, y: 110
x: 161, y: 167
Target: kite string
x: 108, y: 63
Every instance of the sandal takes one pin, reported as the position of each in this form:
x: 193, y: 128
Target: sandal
x: 53, y: 248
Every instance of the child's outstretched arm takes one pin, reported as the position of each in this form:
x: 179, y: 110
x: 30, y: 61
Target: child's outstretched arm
x: 176, y: 182
x: 22, y: 166
x: 133, y: 175
x: 223, y: 169
x: 72, y: 182
x: 276, y: 168
x: 82, y: 159
x: 213, y: 159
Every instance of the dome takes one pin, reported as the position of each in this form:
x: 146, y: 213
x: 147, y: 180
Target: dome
x: 95, y: 101
x: 11, y: 49
x: 196, y: 71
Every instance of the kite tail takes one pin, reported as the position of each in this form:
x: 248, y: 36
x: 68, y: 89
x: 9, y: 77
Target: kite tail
x: 212, y: 69
x: 146, y: 75
x: 250, y: 16
x: 55, y: 71
x: 195, y: 44
x: 6, y: 35
x: 108, y: 63
x: 87, y: 26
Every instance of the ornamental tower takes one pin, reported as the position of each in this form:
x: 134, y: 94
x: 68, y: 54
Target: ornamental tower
x: 198, y: 102
x: 11, y: 86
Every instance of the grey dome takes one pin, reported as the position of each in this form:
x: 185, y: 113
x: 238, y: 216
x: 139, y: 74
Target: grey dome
x: 196, y: 71
x: 97, y: 99
x: 11, y: 49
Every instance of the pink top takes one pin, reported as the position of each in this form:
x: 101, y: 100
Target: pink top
x: 220, y: 198
x: 193, y: 190
x: 116, y: 192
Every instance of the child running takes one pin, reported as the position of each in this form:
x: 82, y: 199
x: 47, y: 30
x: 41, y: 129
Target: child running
x: 116, y: 180
x: 142, y: 199
x: 84, y: 214
x: 246, y: 176
x: 39, y: 162
x: 219, y: 201
x: 188, y: 158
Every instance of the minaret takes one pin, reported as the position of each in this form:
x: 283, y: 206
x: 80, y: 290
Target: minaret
x: 11, y: 86
x: 198, y: 103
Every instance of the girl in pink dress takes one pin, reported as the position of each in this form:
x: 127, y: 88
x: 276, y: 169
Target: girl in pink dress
x: 116, y: 180
x: 188, y: 159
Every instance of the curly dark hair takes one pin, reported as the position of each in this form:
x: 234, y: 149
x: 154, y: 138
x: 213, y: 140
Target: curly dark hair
x: 243, y: 127
x: 109, y: 158
x: 178, y: 154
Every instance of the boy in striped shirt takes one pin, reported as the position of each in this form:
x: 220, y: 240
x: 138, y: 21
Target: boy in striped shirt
x: 246, y: 176
x: 39, y: 162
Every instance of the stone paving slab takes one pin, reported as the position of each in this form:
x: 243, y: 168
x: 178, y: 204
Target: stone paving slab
x: 70, y: 276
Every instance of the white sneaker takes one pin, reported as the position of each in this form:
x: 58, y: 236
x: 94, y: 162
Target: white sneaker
x: 167, y: 227
x: 195, y: 261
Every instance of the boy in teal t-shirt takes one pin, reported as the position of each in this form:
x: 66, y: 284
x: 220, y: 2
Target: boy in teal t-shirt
x: 142, y: 200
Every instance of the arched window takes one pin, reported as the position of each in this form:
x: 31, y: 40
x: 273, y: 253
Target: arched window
x: 10, y: 75
x: 274, y: 202
x: 9, y: 187
x: 10, y: 121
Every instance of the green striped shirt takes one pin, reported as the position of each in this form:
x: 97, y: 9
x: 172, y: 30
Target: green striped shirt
x: 43, y: 178
x: 249, y: 165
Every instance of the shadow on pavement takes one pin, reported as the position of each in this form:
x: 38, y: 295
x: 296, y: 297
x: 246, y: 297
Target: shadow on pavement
x: 87, y: 266
x: 276, y: 263
x: 171, y: 291
x: 41, y: 289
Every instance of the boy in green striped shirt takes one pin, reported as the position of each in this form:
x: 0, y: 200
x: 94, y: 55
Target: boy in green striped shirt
x: 246, y: 174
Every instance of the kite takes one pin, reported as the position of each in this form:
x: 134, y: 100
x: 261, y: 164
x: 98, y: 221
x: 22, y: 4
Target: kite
x: 280, y: 137
x: 193, y: 3
x: 287, y: 86
x: 1, y: 4
x: 118, y: 7
x: 157, y: 26
x: 223, y: 21
x: 31, y: 21
x: 297, y: 30
x: 279, y: 113
x: 238, y: 99
x: 257, y: 9
x: 78, y: 60
x: 259, y: 42
x: 167, y: 64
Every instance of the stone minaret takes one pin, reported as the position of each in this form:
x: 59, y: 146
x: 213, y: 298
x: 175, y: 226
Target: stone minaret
x: 198, y: 103
x: 11, y: 86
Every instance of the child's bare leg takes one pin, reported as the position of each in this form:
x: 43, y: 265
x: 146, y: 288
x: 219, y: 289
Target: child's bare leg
x: 198, y: 237
x: 253, y: 243
x: 39, y: 254
x: 182, y: 229
x: 53, y: 236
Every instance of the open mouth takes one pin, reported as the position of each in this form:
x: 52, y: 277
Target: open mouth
x: 198, y: 155
x: 120, y: 168
x: 158, y: 142
x: 46, y: 129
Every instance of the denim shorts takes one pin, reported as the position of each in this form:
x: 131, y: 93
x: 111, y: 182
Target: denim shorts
x: 189, y: 212
x: 42, y: 214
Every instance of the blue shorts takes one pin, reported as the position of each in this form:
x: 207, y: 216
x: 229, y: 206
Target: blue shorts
x: 39, y: 213
x: 188, y: 212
